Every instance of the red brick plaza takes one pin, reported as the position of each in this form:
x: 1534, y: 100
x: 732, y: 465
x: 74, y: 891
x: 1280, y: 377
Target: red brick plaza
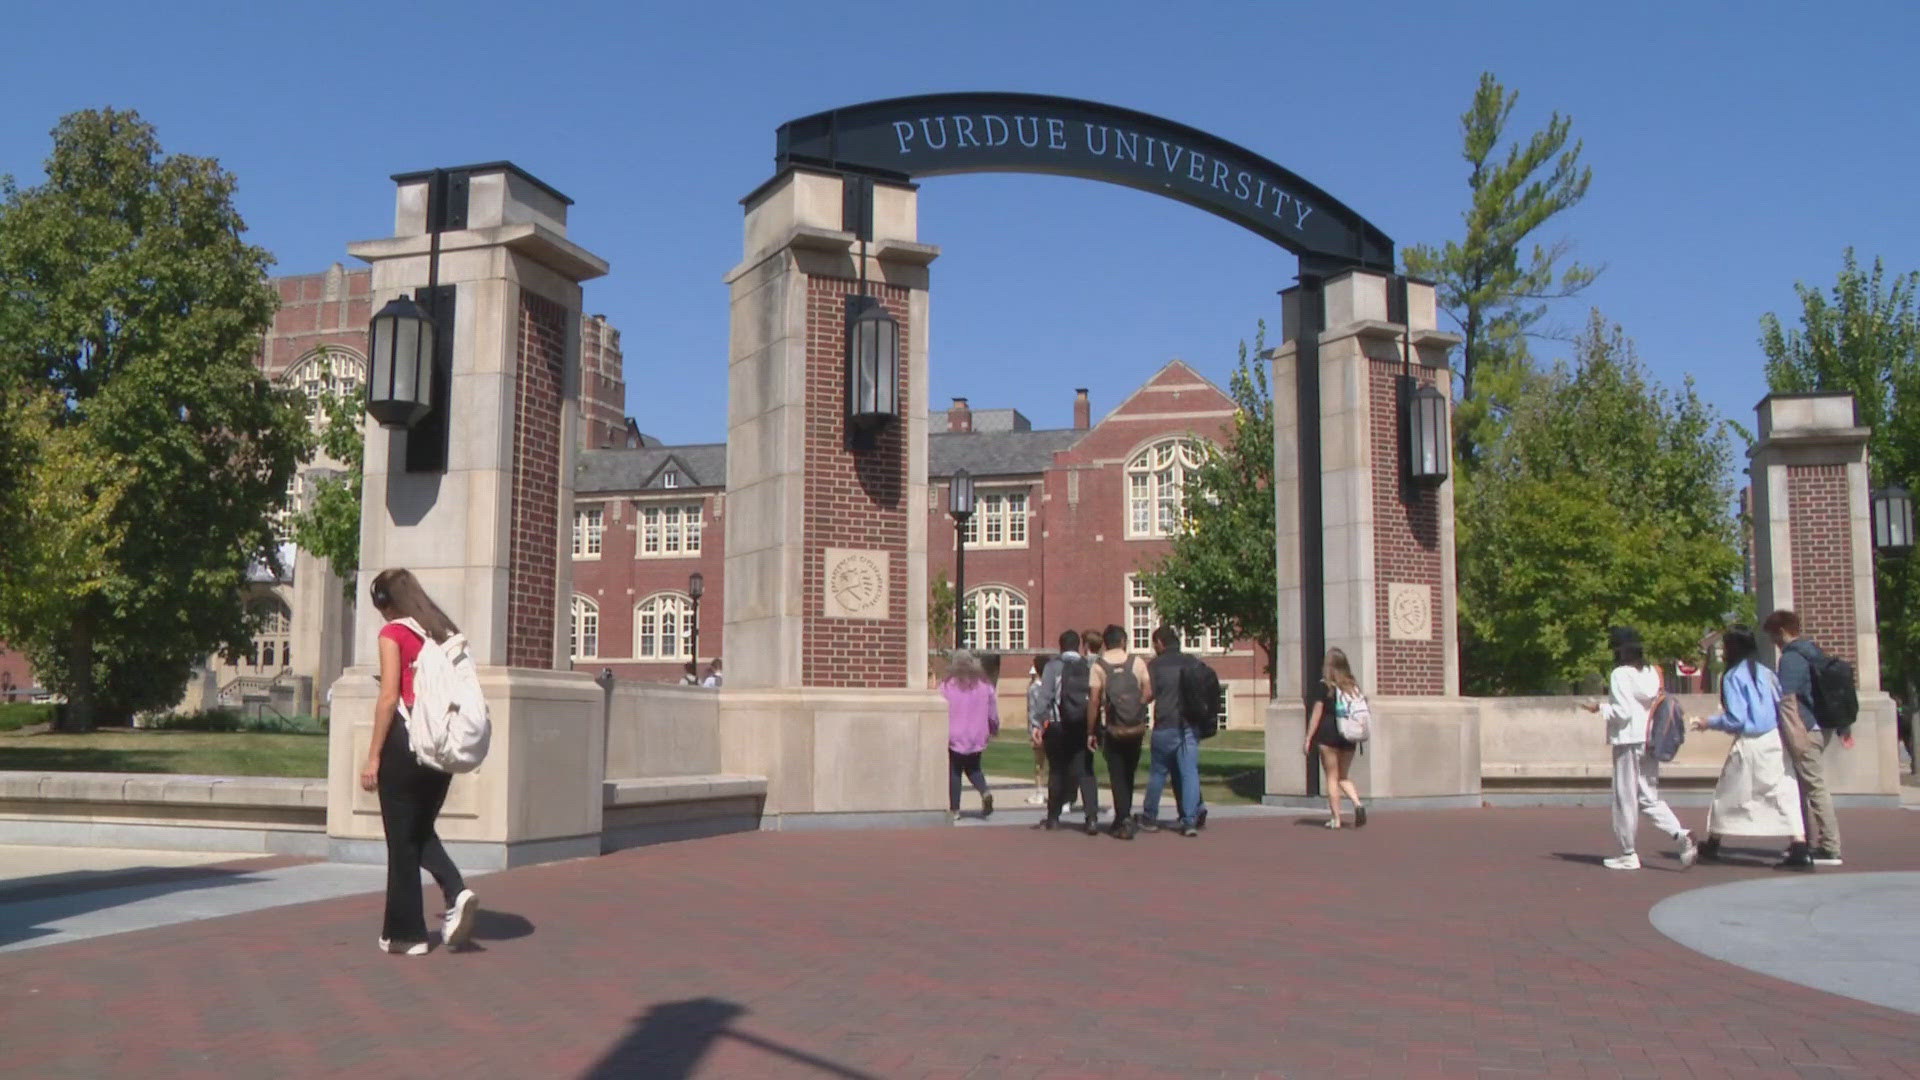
x: 1442, y: 944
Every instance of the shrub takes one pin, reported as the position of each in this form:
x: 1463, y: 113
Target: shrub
x: 21, y: 714
x: 235, y: 720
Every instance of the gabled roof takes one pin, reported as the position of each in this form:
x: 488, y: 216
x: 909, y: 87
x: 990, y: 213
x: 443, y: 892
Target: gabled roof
x: 700, y: 466
x: 998, y: 453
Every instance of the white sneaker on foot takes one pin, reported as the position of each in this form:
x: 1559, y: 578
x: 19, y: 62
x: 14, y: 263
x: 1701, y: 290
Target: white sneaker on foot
x: 418, y: 948
x: 458, y: 928
x: 1622, y: 862
x: 1689, y: 851
x: 1038, y: 798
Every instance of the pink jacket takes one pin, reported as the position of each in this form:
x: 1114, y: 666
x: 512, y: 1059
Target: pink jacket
x: 973, y: 715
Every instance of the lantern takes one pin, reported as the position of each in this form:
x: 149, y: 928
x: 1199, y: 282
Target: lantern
x: 873, y: 366
x: 400, y: 343
x: 1892, y: 520
x: 1429, y: 449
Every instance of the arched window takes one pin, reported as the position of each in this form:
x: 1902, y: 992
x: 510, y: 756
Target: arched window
x: 329, y: 372
x: 273, y: 636
x: 1157, y: 483
x: 663, y: 627
x: 585, y: 642
x: 996, y: 619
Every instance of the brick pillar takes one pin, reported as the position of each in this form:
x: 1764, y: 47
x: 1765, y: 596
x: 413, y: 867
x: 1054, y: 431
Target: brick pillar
x: 1387, y: 574
x: 1813, y: 555
x: 826, y: 568
x: 488, y: 537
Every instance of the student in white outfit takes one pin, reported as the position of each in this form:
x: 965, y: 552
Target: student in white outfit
x: 1631, y: 692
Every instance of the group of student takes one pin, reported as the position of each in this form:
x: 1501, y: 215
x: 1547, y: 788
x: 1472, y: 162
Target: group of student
x: 1773, y: 783
x: 1095, y: 696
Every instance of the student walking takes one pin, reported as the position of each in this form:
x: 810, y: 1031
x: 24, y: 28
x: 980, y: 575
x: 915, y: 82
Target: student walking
x: 1175, y: 746
x: 411, y: 793
x: 1066, y: 689
x: 1122, y: 690
x: 1339, y: 695
x: 1756, y: 795
x: 1631, y: 691
x: 1036, y: 727
x: 1806, y: 743
x: 973, y: 717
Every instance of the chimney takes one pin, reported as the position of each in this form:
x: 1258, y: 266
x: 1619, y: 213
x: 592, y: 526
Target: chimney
x: 959, y: 418
x: 1082, y: 410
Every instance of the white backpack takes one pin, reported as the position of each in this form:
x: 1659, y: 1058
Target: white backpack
x: 1354, y: 716
x: 447, y: 725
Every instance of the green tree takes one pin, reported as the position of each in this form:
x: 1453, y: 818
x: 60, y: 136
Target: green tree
x: 1864, y: 338
x: 328, y: 525
x: 1491, y: 286
x: 155, y: 450
x: 940, y: 609
x: 1606, y: 503
x: 1219, y: 574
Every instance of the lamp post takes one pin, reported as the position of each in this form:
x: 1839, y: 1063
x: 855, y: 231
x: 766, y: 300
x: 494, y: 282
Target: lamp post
x: 1426, y: 445
x: 960, y: 506
x: 873, y: 335
x: 696, y: 588
x: 405, y: 343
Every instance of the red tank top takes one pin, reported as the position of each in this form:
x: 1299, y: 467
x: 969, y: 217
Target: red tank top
x: 410, y: 644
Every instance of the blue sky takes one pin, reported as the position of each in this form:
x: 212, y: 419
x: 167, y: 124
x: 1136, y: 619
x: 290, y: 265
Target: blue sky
x: 1736, y: 148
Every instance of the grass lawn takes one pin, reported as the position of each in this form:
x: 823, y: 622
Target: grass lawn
x: 1232, y: 764
x: 244, y: 753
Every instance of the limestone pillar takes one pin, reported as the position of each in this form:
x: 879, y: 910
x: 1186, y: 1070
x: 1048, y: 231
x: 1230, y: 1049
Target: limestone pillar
x: 1386, y: 581
x: 487, y: 536
x: 1813, y: 555
x: 826, y: 605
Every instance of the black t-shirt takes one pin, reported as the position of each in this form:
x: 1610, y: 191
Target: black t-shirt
x: 1165, y: 670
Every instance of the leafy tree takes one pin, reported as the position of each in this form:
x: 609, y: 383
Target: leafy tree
x: 154, y: 450
x: 1219, y: 575
x: 940, y: 609
x: 1496, y: 291
x: 1606, y: 503
x: 1864, y: 338
x: 328, y: 526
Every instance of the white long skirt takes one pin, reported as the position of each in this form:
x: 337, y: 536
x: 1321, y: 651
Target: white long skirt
x: 1757, y: 794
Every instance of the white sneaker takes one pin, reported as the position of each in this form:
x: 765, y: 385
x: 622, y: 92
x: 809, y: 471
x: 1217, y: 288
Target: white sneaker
x: 1689, y: 851
x: 1622, y: 862
x: 418, y: 948
x: 1038, y: 798
x: 458, y: 929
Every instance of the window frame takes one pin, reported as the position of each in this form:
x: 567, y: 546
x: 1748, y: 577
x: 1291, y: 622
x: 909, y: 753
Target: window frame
x: 589, y: 531
x: 994, y: 514
x: 583, y: 608
x: 1148, y: 492
x: 683, y: 625
x: 1206, y: 643
x: 1011, y: 602
x: 658, y: 523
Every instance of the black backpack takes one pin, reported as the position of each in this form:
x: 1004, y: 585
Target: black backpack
x: 1200, y: 699
x: 1836, y: 703
x: 1075, y: 691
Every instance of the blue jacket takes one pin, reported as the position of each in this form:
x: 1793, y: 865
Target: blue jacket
x: 1796, y: 677
x: 1750, y: 696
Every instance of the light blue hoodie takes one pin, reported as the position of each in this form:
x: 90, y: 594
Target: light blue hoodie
x: 1750, y: 697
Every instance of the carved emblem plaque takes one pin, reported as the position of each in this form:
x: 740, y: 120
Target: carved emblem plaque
x: 856, y: 584
x: 1410, y: 612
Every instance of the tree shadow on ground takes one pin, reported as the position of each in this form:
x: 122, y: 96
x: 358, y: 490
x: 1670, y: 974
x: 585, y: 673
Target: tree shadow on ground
x: 29, y: 907
x: 669, y: 1042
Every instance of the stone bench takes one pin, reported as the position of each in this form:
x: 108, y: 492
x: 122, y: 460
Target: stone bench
x: 658, y: 809
x: 262, y: 814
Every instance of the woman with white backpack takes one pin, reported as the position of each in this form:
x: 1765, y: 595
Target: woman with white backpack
x: 411, y: 793
x: 1339, y: 723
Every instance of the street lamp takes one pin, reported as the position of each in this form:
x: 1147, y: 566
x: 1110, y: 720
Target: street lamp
x: 400, y: 342
x: 696, y: 588
x: 1892, y: 520
x: 1428, y: 449
x: 960, y: 506
x: 873, y: 369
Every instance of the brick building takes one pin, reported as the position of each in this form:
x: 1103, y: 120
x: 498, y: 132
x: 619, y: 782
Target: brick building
x: 1065, y: 520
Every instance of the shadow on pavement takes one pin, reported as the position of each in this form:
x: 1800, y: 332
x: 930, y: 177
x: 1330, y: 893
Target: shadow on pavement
x: 495, y: 926
x: 1580, y: 857
x: 670, y: 1040
x: 27, y: 905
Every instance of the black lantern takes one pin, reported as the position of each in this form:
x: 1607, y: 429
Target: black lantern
x: 696, y: 588
x: 400, y: 383
x: 1892, y: 520
x: 960, y: 506
x: 873, y: 368
x: 1429, y: 449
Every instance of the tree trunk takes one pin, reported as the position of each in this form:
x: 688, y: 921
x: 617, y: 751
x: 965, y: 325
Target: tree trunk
x: 78, y: 715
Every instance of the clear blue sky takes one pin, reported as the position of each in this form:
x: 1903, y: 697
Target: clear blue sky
x: 1736, y: 148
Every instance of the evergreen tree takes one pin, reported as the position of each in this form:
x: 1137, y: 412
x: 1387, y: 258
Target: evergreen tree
x: 154, y: 450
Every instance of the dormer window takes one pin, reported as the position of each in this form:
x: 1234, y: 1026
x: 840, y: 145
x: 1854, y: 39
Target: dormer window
x: 670, y: 478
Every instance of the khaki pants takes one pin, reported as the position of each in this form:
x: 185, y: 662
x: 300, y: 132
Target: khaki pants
x: 1805, y: 753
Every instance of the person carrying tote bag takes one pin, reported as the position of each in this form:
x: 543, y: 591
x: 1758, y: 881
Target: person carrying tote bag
x: 1757, y: 794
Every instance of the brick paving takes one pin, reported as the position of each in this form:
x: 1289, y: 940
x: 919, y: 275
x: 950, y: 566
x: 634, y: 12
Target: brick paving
x: 1451, y: 944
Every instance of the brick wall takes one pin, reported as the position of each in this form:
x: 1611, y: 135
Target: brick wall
x: 532, y: 555
x: 852, y: 501
x: 619, y: 579
x: 1821, y: 539
x: 603, y: 384
x: 329, y: 308
x: 1406, y: 544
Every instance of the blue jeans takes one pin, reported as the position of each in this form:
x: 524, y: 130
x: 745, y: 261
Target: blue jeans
x: 1174, y: 750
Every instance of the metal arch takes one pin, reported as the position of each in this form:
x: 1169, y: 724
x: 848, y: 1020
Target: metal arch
x: 943, y: 134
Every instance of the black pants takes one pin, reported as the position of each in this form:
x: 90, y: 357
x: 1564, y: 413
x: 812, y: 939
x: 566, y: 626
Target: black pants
x: 1123, y: 760
x: 410, y: 798
x: 969, y: 764
x: 1069, y: 762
